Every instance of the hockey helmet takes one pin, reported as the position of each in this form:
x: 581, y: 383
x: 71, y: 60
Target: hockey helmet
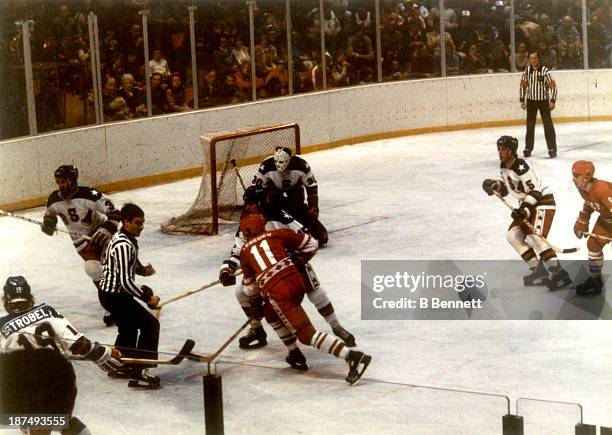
x: 17, y: 294
x: 508, y: 142
x: 583, y: 172
x: 282, y: 157
x: 252, y: 224
x: 68, y: 172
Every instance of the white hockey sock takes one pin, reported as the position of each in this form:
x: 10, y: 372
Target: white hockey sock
x: 284, y: 334
x: 333, y: 346
x: 319, y: 299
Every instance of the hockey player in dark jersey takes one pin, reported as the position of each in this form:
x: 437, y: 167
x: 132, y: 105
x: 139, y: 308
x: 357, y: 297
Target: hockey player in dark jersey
x: 536, y: 206
x: 254, y: 199
x: 36, y: 345
x: 284, y: 178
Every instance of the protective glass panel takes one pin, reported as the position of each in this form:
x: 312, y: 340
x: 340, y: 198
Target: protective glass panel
x: 223, y: 52
x: 306, y: 46
x: 13, y: 106
x: 599, y: 28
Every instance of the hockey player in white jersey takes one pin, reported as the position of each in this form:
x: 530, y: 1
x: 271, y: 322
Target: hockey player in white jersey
x: 284, y: 178
x: 36, y: 344
x: 276, y: 219
x: 88, y: 214
x: 536, y: 206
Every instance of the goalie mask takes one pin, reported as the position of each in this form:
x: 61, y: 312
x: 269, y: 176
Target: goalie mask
x: 508, y: 142
x: 17, y: 295
x: 582, y: 173
x: 282, y: 157
x: 253, y: 224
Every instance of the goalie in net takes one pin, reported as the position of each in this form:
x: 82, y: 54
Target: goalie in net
x: 230, y: 161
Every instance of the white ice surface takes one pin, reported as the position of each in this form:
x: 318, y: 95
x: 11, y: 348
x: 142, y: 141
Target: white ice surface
x: 423, y: 197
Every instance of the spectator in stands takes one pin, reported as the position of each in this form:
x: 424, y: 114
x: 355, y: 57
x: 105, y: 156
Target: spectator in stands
x: 109, y: 46
x: 493, y: 51
x: 547, y: 31
x: 547, y: 54
x: 449, y: 16
x: 230, y: 91
x: 240, y: 53
x: 465, y: 35
x: 175, y: 95
x: 567, y: 32
x: 570, y: 57
x: 598, y: 33
x: 422, y: 63
x: 266, y: 57
x: 63, y: 24
x: 360, y: 53
x: 222, y: 56
x: 109, y: 93
x: 521, y: 56
x: 453, y: 61
x: 339, y: 71
x: 135, y: 43
x: 474, y: 62
x: 133, y: 97
x: 158, y: 94
x: 210, y: 94
x: 159, y: 65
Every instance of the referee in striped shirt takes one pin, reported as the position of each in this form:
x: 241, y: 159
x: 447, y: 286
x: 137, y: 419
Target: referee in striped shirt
x: 138, y: 328
x: 540, y: 90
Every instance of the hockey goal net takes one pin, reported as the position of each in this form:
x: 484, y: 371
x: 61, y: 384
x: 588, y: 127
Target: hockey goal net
x: 230, y: 162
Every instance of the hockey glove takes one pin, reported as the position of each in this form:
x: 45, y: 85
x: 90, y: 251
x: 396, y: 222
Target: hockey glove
x: 147, y: 270
x: 227, y: 274
x: 490, y: 186
x: 581, y: 225
x: 49, y: 224
x: 520, y: 213
x: 101, y: 236
x: 153, y: 302
x: 110, y: 361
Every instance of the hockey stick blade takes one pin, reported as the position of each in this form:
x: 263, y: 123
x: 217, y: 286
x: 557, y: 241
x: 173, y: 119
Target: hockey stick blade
x: 182, y: 354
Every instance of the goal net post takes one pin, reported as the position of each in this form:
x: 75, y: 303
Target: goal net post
x: 230, y: 161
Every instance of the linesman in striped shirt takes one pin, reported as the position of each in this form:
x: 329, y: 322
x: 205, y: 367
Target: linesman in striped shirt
x: 138, y: 334
x: 540, y: 90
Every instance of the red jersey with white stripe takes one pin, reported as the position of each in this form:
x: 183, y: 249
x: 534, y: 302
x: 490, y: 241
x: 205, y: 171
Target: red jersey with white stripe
x: 266, y: 259
x: 598, y: 198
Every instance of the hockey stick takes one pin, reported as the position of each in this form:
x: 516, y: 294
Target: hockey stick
x: 191, y: 292
x: 233, y: 162
x: 40, y: 224
x: 210, y: 358
x: 597, y: 236
x: 182, y: 354
x: 532, y: 228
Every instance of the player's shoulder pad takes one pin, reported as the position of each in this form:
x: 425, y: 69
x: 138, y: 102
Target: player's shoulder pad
x: 53, y: 198
x: 51, y: 310
x: 267, y: 165
x: 520, y: 166
x: 298, y: 163
x: 88, y: 193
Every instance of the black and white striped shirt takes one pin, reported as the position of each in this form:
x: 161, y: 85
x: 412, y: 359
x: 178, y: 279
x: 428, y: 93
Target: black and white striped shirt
x: 119, y: 263
x: 535, y: 82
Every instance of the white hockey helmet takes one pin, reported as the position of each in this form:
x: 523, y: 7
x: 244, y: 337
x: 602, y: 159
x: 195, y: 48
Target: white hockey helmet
x: 282, y: 157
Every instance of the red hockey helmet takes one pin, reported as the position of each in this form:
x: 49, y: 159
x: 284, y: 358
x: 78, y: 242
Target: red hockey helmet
x: 252, y: 225
x: 582, y: 173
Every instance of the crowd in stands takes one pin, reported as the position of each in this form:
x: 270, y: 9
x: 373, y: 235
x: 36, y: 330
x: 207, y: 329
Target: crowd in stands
x: 477, y: 41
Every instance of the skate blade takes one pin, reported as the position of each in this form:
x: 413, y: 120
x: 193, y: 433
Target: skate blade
x: 252, y: 346
x: 135, y: 383
x: 537, y: 282
x: 559, y: 285
x: 355, y: 375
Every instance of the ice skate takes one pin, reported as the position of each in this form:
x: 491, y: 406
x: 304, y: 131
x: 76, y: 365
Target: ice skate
x: 538, y: 276
x: 143, y: 379
x: 255, y: 338
x: 558, y: 278
x: 297, y: 360
x: 358, y: 363
x: 591, y: 286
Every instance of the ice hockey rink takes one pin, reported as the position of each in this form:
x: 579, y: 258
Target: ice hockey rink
x: 416, y: 197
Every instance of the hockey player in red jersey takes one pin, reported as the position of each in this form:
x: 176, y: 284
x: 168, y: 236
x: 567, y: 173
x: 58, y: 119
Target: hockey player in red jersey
x: 36, y: 345
x: 537, y: 206
x: 268, y: 260
x: 276, y: 218
x: 597, y: 195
